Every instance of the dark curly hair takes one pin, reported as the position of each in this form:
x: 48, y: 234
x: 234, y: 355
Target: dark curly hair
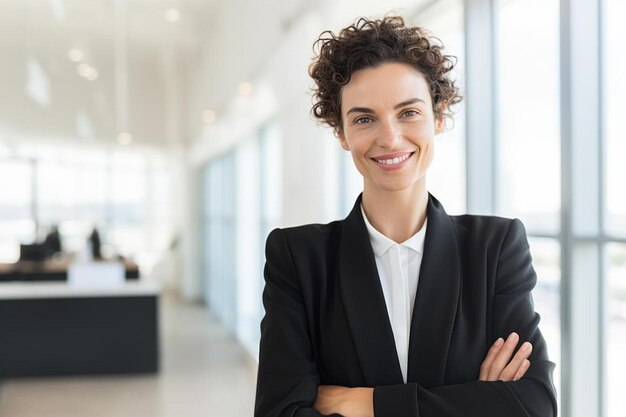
x: 369, y: 43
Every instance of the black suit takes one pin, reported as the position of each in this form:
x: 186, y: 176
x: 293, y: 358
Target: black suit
x: 326, y: 320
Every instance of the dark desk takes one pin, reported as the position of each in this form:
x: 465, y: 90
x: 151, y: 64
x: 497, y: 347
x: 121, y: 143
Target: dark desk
x: 56, y: 329
x: 50, y: 270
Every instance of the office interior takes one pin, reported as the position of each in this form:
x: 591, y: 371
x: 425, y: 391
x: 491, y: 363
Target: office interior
x: 147, y: 148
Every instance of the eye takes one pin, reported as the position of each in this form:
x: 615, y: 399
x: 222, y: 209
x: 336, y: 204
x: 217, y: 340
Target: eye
x: 409, y: 113
x: 362, y: 120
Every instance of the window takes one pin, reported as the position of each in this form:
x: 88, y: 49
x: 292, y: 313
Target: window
x: 546, y: 254
x: 17, y: 223
x: 247, y: 238
x: 124, y: 193
x: 219, y: 238
x: 616, y: 329
x: 614, y: 66
x: 527, y: 114
x: 615, y: 107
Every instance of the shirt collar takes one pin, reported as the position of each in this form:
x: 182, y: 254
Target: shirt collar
x: 381, y: 243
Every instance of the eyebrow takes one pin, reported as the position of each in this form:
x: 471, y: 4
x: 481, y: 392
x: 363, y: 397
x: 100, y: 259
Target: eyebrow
x: 397, y: 106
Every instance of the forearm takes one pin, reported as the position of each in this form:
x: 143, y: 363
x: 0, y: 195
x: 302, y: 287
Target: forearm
x: 524, y: 398
x: 531, y: 396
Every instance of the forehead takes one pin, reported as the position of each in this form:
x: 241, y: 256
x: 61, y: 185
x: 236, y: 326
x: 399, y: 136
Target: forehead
x: 384, y: 85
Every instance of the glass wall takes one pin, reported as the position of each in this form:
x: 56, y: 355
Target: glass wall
x: 126, y: 194
x: 247, y: 240
x: 616, y: 328
x: 614, y: 66
x: 242, y: 204
x: 528, y: 161
x: 527, y: 112
x: 17, y: 207
x: 615, y: 107
x: 219, y: 238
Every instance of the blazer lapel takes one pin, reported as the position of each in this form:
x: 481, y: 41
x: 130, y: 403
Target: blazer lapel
x: 364, y: 304
x: 436, y: 300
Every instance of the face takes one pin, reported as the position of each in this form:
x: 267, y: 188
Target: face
x: 389, y: 126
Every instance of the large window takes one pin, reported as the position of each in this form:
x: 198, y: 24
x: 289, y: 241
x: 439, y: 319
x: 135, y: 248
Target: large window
x: 242, y: 203
x: 528, y: 143
x: 614, y: 67
x: 126, y: 194
x: 616, y: 328
x: 527, y: 111
x: 615, y: 107
x: 219, y: 238
x: 17, y: 220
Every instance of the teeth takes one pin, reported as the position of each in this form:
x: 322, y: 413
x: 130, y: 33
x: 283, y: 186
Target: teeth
x: 394, y: 161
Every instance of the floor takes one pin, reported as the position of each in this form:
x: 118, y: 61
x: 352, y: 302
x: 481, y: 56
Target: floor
x: 204, y: 372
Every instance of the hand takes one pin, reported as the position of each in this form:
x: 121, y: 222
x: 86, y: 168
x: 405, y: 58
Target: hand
x: 349, y: 402
x: 498, y: 364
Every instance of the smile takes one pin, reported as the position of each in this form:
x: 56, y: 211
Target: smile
x: 395, y: 161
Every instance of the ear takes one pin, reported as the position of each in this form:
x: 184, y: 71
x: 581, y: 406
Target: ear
x: 342, y: 140
x: 440, y: 120
x: 440, y: 124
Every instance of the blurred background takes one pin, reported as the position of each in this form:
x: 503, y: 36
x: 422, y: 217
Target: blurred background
x: 164, y: 139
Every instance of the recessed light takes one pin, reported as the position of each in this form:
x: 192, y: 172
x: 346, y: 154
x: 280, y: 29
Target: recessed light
x: 172, y: 15
x: 75, y: 55
x: 245, y: 88
x: 208, y: 117
x: 125, y: 138
x: 87, y: 71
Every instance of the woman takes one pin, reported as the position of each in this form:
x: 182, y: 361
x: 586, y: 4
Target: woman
x: 357, y: 324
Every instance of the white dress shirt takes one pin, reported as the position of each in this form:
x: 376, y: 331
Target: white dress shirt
x: 398, y: 267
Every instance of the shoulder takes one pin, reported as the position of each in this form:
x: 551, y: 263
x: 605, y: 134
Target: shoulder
x: 482, y: 223
x: 489, y: 231
x: 307, y: 238
x: 478, y: 227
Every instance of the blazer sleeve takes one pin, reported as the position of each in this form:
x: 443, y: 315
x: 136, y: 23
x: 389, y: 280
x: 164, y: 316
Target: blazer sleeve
x: 287, y: 379
x: 513, y: 310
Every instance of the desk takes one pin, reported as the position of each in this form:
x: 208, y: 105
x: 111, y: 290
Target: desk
x: 53, y: 328
x: 50, y: 270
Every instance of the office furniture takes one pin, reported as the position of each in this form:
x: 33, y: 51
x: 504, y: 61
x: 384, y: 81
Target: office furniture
x: 52, y: 328
x: 50, y: 270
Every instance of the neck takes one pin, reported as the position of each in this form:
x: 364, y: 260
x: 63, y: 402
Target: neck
x: 396, y: 214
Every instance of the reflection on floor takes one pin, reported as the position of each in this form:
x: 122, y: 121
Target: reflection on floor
x: 204, y: 373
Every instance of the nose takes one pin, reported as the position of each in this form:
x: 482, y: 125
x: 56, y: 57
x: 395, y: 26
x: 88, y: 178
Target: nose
x: 389, y: 135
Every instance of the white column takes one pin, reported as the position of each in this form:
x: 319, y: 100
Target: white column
x: 479, y: 105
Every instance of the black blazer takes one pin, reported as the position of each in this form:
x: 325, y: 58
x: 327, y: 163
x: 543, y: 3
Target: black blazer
x: 326, y: 320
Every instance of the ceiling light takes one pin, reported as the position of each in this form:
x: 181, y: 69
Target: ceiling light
x: 208, y: 117
x: 92, y: 75
x: 75, y: 55
x: 87, y: 71
x: 245, y: 89
x: 125, y: 138
x: 172, y: 15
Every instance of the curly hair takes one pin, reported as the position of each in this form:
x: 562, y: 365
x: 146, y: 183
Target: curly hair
x: 369, y: 43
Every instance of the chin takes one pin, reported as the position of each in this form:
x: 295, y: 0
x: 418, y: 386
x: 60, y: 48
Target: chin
x: 396, y: 186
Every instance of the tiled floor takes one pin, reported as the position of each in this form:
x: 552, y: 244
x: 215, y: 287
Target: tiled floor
x: 204, y: 373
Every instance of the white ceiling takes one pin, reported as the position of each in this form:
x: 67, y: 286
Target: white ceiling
x: 36, y: 36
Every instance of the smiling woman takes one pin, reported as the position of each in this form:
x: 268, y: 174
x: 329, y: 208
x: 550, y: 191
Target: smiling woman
x: 399, y: 309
